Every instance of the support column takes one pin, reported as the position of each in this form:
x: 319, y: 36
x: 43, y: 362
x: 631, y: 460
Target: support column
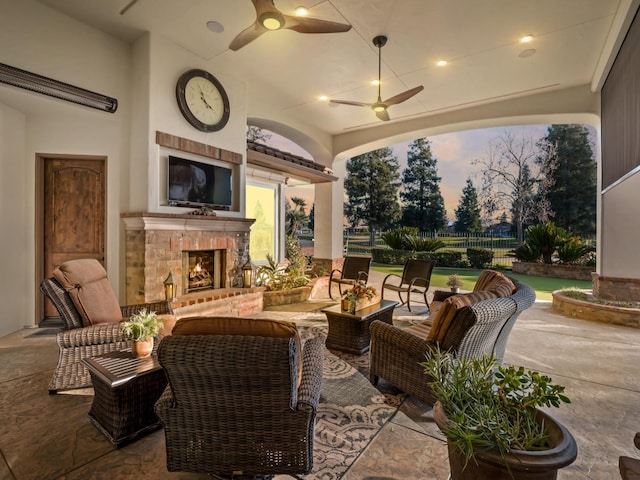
x: 329, y: 223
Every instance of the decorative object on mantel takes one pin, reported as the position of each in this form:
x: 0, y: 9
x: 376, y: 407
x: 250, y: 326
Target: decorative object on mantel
x: 53, y: 88
x: 170, y: 285
x: 359, y: 296
x: 141, y: 329
x: 207, y: 211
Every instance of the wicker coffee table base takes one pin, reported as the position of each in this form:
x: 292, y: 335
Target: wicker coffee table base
x: 350, y: 332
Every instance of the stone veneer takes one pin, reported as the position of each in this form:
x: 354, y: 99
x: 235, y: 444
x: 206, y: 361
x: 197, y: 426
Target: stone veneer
x: 155, y: 243
x: 613, y: 288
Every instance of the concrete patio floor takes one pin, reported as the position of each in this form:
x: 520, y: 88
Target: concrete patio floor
x: 598, y: 364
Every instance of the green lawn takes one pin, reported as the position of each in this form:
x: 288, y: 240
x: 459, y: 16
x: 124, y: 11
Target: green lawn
x: 542, y: 285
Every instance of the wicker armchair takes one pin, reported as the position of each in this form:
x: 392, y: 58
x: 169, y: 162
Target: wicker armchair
x: 483, y: 327
x: 354, y: 269
x: 233, y: 405
x: 76, y: 342
x: 416, y: 278
x: 630, y: 467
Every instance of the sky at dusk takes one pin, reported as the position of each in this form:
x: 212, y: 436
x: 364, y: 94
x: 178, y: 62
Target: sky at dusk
x: 454, y: 152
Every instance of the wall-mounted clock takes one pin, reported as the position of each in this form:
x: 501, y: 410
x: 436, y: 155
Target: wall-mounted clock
x: 202, y: 100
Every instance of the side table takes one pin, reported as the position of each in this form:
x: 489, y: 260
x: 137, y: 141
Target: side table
x: 349, y: 332
x: 125, y: 391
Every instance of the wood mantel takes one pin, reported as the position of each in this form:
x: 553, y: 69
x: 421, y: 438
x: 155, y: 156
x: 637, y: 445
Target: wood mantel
x: 185, y: 222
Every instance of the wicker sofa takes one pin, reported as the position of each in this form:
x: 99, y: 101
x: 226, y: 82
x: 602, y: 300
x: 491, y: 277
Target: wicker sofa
x: 468, y: 325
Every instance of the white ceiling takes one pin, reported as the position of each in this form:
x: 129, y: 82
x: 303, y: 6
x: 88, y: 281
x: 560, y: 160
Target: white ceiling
x: 286, y: 71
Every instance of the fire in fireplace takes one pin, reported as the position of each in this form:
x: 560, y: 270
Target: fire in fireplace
x: 203, y: 270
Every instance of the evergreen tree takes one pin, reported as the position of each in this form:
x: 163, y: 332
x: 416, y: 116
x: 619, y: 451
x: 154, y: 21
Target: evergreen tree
x: 568, y: 162
x: 256, y: 134
x: 423, y: 202
x: 312, y: 217
x: 371, y: 185
x: 468, y: 211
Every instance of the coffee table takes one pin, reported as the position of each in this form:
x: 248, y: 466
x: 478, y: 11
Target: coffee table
x: 126, y: 389
x: 349, y: 332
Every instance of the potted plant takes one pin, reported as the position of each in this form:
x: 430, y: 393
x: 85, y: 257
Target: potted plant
x: 141, y: 328
x: 454, y: 283
x: 359, y: 296
x: 489, y: 414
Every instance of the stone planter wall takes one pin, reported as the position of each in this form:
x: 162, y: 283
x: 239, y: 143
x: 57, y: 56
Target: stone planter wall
x: 573, y: 272
x: 571, y: 307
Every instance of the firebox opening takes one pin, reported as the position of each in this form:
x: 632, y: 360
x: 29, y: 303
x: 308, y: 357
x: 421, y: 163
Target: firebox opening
x: 203, y: 270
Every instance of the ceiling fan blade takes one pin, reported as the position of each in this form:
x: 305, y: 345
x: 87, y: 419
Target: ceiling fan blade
x: 246, y: 36
x: 383, y: 115
x: 313, y: 25
x: 401, y: 97
x: 348, y: 102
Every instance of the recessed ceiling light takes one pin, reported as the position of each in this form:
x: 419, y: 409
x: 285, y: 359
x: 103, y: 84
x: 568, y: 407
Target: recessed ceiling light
x: 301, y: 11
x: 375, y: 82
x: 526, y: 39
x: 214, y: 26
x: 323, y: 98
x: 441, y: 63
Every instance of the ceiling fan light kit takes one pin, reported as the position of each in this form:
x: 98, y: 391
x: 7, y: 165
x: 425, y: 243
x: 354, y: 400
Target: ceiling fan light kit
x: 269, y: 18
x: 380, y: 106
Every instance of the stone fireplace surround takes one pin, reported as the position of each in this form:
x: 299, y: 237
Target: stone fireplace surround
x: 155, y: 243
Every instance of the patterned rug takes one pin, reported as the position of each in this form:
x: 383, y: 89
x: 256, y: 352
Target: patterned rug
x: 351, y: 410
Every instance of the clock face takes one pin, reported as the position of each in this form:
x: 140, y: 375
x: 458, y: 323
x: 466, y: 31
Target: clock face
x: 202, y: 100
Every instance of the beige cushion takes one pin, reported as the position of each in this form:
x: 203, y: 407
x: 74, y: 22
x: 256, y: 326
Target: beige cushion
x: 168, y: 322
x: 447, y: 313
x: 240, y: 326
x: 90, y: 291
x: 494, y: 281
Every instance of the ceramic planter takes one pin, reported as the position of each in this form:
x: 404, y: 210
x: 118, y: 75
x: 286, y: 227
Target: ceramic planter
x: 520, y: 465
x: 142, y: 349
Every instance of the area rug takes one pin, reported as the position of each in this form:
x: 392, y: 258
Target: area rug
x: 351, y: 410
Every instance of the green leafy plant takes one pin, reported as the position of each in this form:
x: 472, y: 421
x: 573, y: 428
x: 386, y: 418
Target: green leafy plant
x: 545, y: 238
x: 526, y: 253
x: 490, y: 406
x: 572, y: 249
x: 142, y: 326
x: 291, y: 274
x: 479, y: 257
x: 396, y: 238
x: 419, y: 244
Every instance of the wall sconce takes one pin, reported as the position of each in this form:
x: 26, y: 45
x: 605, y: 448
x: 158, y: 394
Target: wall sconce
x: 247, y: 274
x: 170, y: 285
x: 54, y: 88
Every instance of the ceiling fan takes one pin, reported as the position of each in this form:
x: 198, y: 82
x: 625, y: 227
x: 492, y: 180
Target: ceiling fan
x: 379, y: 106
x: 269, y: 18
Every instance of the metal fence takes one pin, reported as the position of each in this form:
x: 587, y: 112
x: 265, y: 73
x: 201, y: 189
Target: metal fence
x: 500, y: 245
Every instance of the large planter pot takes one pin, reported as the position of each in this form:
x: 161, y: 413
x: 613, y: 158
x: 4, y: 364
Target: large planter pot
x: 520, y: 465
x: 286, y: 297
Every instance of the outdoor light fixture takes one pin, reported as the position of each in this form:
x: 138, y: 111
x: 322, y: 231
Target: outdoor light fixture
x: 247, y: 274
x: 170, y: 287
x: 53, y: 88
x: 271, y: 20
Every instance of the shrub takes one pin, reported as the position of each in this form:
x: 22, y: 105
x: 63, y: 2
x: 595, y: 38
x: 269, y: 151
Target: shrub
x: 526, y: 253
x: 479, y: 257
x: 419, y: 244
x: 572, y: 249
x: 387, y: 256
x: 445, y: 258
x: 396, y: 238
x: 545, y: 238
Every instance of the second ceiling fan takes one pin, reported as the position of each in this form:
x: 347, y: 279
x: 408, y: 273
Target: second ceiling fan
x: 380, y: 106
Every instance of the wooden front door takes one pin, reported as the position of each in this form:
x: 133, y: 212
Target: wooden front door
x: 73, y: 213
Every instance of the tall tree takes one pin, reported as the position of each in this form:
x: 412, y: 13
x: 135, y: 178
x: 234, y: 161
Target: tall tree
x: 511, y: 180
x: 468, y: 211
x: 371, y: 185
x: 312, y: 217
x: 567, y: 159
x: 423, y: 202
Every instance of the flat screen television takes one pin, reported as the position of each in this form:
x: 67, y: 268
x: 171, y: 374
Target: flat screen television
x: 198, y: 184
